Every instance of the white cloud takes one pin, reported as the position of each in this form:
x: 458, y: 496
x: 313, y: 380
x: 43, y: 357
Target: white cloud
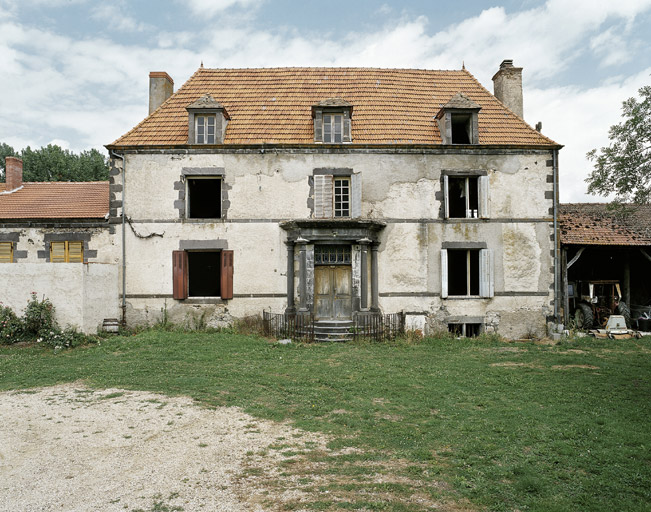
x: 208, y: 8
x: 580, y: 118
x: 116, y: 18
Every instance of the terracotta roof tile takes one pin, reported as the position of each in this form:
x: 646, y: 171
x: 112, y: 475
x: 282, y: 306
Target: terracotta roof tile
x: 273, y: 105
x: 596, y: 224
x: 48, y: 200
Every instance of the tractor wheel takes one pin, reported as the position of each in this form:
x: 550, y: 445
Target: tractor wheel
x: 583, y: 317
x: 625, y: 311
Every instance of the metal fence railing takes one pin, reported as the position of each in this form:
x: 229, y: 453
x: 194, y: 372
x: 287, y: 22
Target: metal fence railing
x: 300, y: 326
x: 293, y: 326
x: 377, y: 326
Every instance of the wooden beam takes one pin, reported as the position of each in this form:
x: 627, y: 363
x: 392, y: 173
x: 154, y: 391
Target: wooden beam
x: 645, y: 254
x: 576, y: 257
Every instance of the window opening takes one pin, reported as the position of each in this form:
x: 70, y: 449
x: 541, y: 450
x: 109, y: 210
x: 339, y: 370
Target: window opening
x: 463, y: 197
x: 204, y: 274
x: 332, y: 255
x: 205, y: 129
x: 463, y: 272
x: 6, y: 252
x: 465, y: 330
x: 461, y: 128
x: 333, y: 128
x: 204, y: 198
x: 67, y: 252
x: 342, y: 197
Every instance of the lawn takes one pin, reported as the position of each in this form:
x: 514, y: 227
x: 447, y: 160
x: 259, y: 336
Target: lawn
x: 470, y: 424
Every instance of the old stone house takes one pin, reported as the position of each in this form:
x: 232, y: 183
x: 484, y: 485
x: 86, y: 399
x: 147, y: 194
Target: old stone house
x: 56, y: 241
x: 339, y: 192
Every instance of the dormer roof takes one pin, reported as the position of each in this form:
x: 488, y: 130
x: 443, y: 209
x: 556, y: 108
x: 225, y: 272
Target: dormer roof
x: 462, y: 102
x: 207, y: 102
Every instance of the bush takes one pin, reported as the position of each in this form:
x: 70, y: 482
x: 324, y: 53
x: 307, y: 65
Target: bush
x: 38, y: 324
x: 11, y: 327
x: 39, y: 317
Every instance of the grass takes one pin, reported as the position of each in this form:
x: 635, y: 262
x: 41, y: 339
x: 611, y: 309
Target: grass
x: 472, y: 424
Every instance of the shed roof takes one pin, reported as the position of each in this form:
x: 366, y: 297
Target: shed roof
x: 274, y: 106
x: 49, y: 200
x: 600, y: 224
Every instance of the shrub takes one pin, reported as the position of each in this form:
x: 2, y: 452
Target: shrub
x: 11, y: 327
x: 39, y: 317
x: 58, y: 339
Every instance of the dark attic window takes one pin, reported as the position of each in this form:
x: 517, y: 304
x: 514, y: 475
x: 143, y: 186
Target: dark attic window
x: 204, y: 198
x: 461, y: 128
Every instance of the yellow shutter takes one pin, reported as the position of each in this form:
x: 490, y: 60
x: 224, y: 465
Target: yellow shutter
x: 58, y: 252
x: 6, y: 252
x: 75, y: 252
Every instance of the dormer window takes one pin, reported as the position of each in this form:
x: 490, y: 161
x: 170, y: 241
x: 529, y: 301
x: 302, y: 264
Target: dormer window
x: 332, y: 121
x: 458, y: 121
x: 207, y: 119
x: 205, y: 129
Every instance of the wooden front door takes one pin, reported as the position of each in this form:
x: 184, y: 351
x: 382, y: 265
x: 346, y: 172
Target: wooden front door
x: 333, y: 292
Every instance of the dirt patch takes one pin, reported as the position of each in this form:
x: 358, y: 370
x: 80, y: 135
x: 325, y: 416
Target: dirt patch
x: 513, y: 364
x: 570, y: 366
x: 73, y: 448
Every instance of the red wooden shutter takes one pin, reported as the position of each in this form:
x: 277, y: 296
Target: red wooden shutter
x: 180, y: 274
x: 227, y: 275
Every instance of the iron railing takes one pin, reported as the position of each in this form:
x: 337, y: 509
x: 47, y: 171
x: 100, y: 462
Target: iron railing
x: 293, y: 326
x: 300, y: 326
x: 377, y: 326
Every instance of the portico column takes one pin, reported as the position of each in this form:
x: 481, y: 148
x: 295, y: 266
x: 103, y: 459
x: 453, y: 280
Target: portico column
x: 363, y: 243
x: 375, y: 303
x: 290, y: 278
x: 302, y: 274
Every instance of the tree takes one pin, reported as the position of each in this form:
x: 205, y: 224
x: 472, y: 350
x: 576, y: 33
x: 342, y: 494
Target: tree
x: 52, y: 163
x: 624, y: 167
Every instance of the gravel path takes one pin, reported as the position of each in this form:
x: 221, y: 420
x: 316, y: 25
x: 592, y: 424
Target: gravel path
x: 70, y: 448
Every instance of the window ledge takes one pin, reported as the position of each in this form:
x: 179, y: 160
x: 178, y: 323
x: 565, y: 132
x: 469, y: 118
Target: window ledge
x: 203, y: 300
x: 201, y: 221
x: 464, y: 297
x: 466, y: 219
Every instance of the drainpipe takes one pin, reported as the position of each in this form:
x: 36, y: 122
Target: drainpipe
x: 556, y: 241
x: 124, y: 250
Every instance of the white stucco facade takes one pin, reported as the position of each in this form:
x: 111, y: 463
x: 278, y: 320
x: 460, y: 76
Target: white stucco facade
x: 402, y: 190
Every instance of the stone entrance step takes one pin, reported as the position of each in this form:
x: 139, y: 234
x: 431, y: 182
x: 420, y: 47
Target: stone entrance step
x: 333, y: 330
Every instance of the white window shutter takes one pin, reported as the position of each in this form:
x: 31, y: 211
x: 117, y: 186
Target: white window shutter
x: 346, y: 135
x: 486, y: 282
x: 356, y: 195
x: 446, y: 197
x: 444, y: 273
x: 322, y: 196
x: 484, y: 211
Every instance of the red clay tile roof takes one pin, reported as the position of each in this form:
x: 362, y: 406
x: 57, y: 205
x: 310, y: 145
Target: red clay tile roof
x: 50, y: 200
x: 273, y: 105
x: 596, y: 224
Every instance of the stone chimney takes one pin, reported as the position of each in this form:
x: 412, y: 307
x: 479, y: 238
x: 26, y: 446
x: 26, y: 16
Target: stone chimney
x: 507, y: 84
x: 13, y: 173
x: 161, y: 87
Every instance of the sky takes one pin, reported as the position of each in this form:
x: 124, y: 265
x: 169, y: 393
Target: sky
x: 75, y: 72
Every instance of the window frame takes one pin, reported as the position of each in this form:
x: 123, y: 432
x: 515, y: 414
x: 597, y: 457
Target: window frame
x: 326, y: 204
x: 10, y: 252
x: 205, y: 119
x: 66, y: 251
x: 188, y: 196
x: 181, y: 274
x: 483, y: 185
x: 333, y: 120
x: 486, y: 273
x: 341, y: 195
